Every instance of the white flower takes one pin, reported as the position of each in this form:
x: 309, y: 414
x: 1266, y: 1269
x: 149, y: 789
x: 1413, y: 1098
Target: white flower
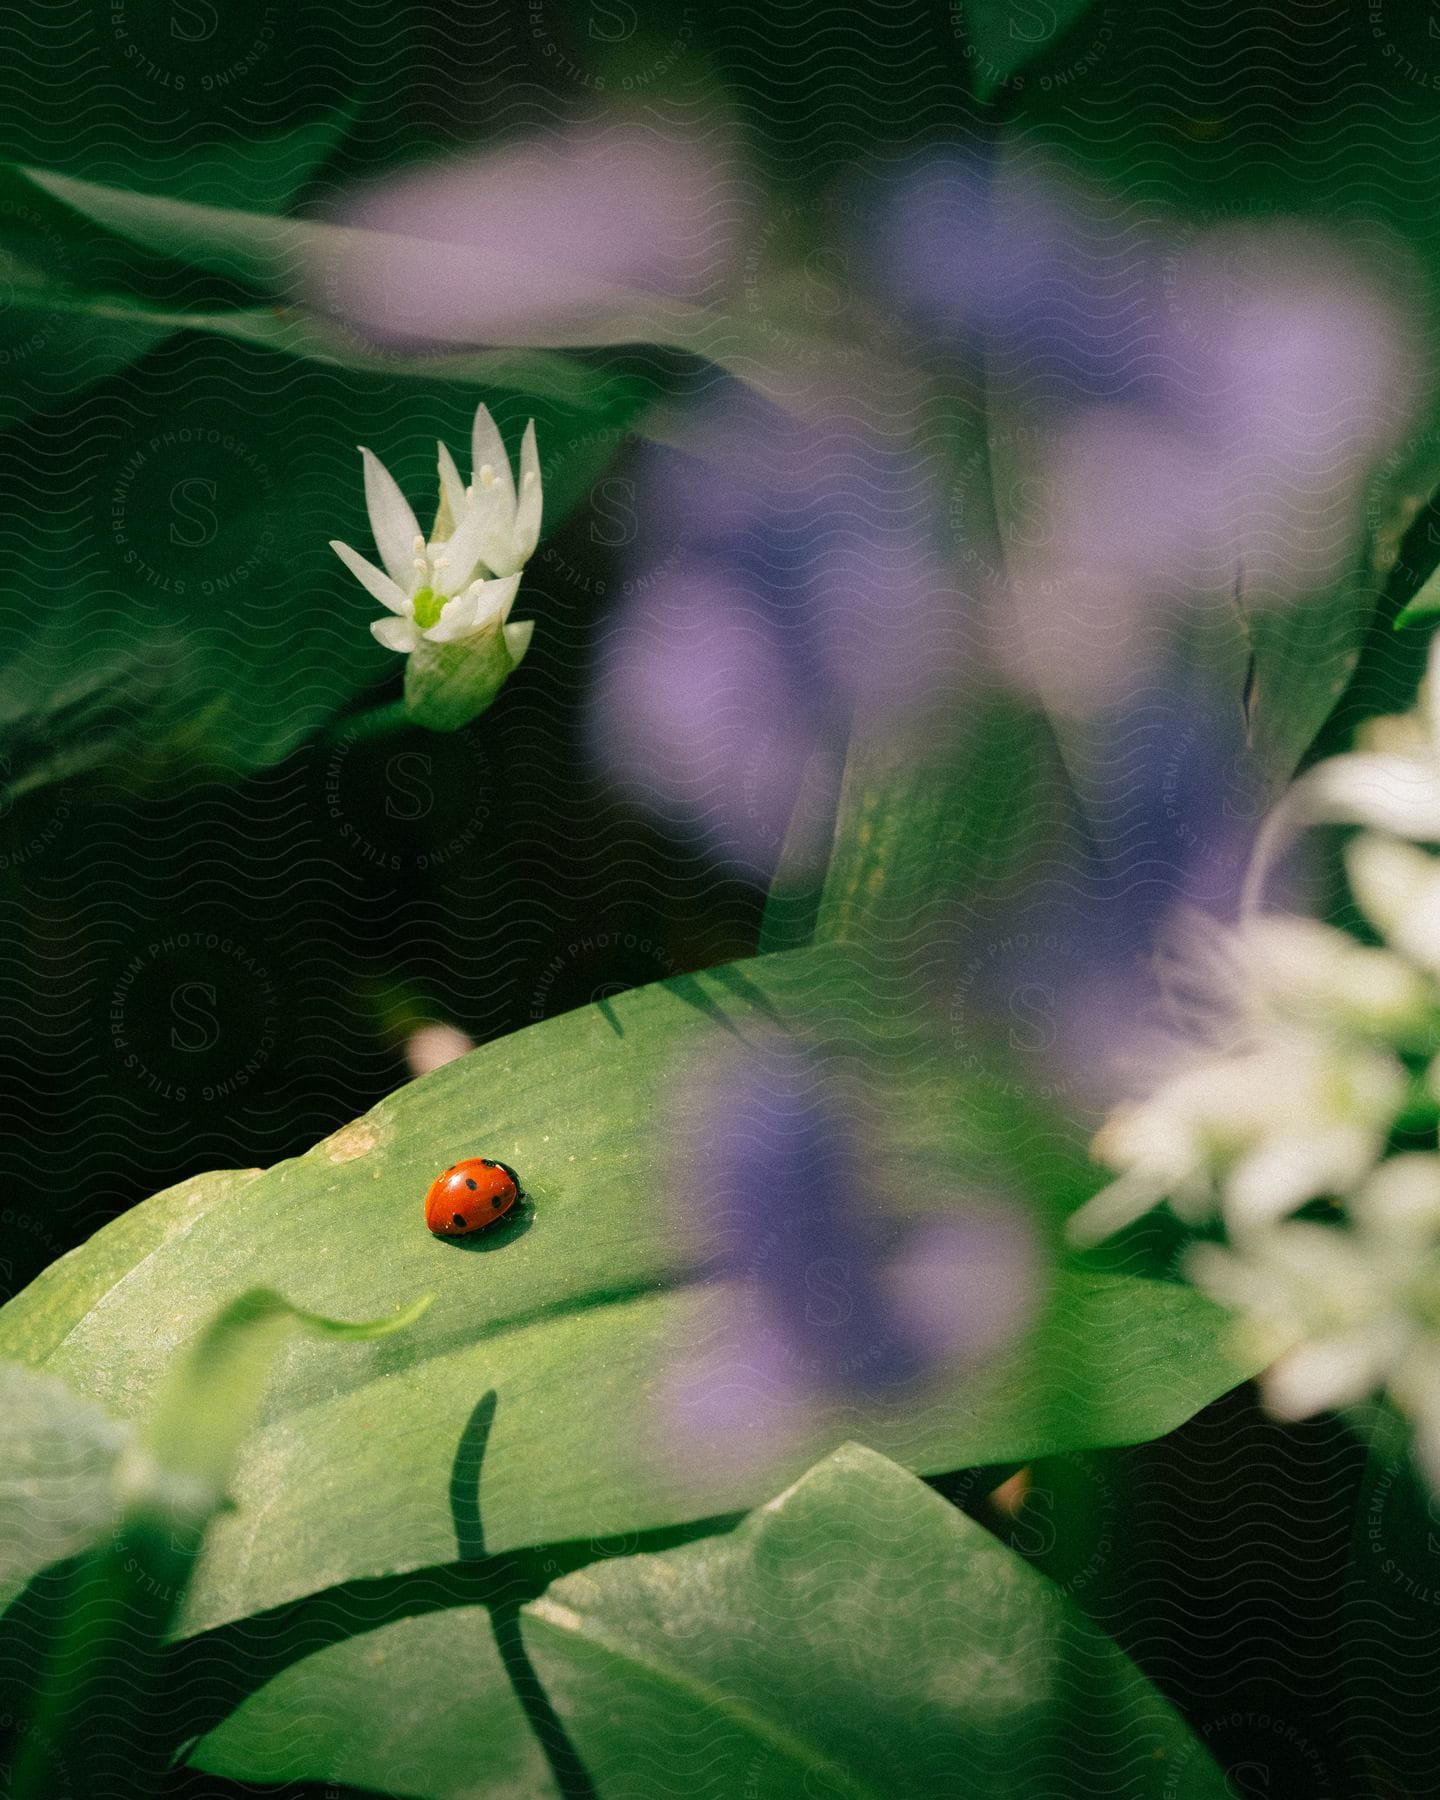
x: 1398, y: 888
x: 1280, y: 968
x: 1279, y: 1092
x: 1295, y: 1116
x: 461, y: 583
x: 1342, y: 1313
x: 1390, y: 781
x: 509, y: 527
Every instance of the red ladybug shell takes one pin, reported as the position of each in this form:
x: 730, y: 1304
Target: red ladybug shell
x: 472, y: 1195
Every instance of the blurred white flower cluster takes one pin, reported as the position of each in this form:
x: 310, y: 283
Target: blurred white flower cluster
x: 1303, y: 1051
x: 450, y: 595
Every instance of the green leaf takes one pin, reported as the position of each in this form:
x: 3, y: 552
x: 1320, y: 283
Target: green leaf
x: 1006, y: 37
x: 52, y: 344
x: 57, y: 1474
x: 1424, y: 605
x: 292, y: 258
x: 209, y: 1401
x: 422, y: 1706
x: 577, y: 1316
x: 96, y: 1701
x: 295, y: 332
x: 264, y: 174
x: 857, y: 1636
x: 925, y: 822
x: 192, y: 612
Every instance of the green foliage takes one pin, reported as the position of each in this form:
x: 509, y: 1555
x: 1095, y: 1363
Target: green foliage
x: 146, y: 1507
x: 855, y: 1635
x: 57, y: 1490
x: 574, y: 1317
x: 1006, y: 37
x: 191, y: 612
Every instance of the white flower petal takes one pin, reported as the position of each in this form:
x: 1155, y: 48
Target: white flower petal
x: 1114, y: 1207
x: 460, y: 617
x: 462, y: 548
x: 1283, y: 1173
x: 391, y: 520
x: 500, y: 548
x: 1429, y: 699
x: 528, y: 505
x: 396, y: 634
x: 484, y: 606
x: 1400, y: 1203
x: 1327, y: 1372
x: 451, y: 485
x: 1393, y: 793
x: 1397, y: 886
x: 377, y: 584
x: 517, y: 638
x: 487, y: 446
x: 501, y: 595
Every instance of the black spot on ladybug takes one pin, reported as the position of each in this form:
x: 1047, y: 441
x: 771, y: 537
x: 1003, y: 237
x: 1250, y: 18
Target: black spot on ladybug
x: 470, y: 1184
x: 497, y: 1202
x: 457, y: 1218
x: 485, y: 1163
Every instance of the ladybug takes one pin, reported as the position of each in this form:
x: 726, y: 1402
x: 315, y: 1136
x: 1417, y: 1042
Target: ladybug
x: 470, y: 1196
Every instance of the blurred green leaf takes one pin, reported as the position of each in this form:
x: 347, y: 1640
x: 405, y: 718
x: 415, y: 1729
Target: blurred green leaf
x: 56, y: 336
x: 295, y: 332
x: 578, y: 1315
x: 930, y: 823
x: 266, y: 173
x: 57, y: 1474
x: 1425, y: 604
x: 860, y: 1636
x: 94, y: 1721
x: 296, y: 259
x: 1006, y: 37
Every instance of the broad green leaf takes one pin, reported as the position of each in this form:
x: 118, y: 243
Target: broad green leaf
x: 857, y: 1636
x: 57, y: 1474
x: 37, y: 1321
x: 578, y: 1317
x: 209, y: 1400
x: 423, y: 1706
x: 271, y: 253
x: 1304, y: 657
x: 1007, y: 35
x: 267, y: 173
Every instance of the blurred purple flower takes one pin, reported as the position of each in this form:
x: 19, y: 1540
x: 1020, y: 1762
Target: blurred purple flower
x: 1294, y: 374
x: 823, y: 1296
x: 1064, y: 971
x: 571, y: 238
x: 1048, y: 277
x: 1174, y: 406
x: 800, y: 591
